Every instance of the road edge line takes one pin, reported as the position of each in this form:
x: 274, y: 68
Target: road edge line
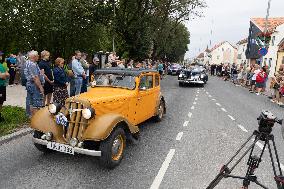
x: 15, y: 135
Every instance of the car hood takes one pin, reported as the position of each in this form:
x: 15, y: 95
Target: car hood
x: 106, y: 94
x: 109, y: 100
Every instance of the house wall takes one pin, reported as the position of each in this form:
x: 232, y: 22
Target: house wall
x: 271, y: 58
x: 224, y: 54
x: 241, y: 54
x: 280, y: 60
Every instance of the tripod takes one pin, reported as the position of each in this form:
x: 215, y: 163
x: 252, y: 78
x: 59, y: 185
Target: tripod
x: 253, y: 162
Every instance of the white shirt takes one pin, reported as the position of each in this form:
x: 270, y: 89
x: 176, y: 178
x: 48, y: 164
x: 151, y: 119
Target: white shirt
x: 255, y: 74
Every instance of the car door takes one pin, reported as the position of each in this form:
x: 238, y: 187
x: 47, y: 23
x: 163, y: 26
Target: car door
x: 145, y: 98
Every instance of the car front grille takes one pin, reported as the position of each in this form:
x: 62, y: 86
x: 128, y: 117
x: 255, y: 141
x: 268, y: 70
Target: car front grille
x: 76, y: 123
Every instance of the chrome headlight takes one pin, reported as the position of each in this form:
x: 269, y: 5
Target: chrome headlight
x: 54, y: 108
x: 73, y: 142
x: 88, y: 113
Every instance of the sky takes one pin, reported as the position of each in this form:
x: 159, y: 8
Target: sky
x: 228, y: 20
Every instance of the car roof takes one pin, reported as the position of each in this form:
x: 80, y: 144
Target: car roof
x: 124, y: 71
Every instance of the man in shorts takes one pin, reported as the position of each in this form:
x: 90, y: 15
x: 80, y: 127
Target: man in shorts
x: 35, y: 82
x: 3, y: 78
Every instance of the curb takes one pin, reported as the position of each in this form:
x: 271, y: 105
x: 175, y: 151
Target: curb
x: 13, y: 136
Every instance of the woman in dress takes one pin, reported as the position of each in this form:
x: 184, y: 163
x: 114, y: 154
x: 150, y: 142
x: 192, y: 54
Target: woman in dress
x: 60, y: 82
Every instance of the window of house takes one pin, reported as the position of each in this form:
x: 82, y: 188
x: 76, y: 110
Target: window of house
x: 270, y: 62
x: 218, y: 57
x: 273, y: 41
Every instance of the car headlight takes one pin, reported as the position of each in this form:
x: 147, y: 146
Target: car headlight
x: 54, y: 108
x: 202, y: 76
x: 88, y: 113
x: 73, y: 142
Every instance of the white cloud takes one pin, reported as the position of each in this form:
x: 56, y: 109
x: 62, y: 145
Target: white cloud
x: 230, y: 21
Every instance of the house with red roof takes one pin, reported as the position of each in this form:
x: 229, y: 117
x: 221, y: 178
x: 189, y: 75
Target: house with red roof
x: 223, y: 52
x: 275, y: 28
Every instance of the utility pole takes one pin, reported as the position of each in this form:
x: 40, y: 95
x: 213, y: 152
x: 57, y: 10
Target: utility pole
x: 267, y: 16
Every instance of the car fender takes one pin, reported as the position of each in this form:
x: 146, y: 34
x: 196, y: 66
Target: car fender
x: 102, y: 126
x: 43, y: 121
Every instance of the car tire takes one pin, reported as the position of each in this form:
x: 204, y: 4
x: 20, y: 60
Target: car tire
x: 40, y: 147
x: 181, y: 84
x: 161, y: 112
x: 112, y: 149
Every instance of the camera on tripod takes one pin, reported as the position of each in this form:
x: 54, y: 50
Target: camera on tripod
x: 266, y: 121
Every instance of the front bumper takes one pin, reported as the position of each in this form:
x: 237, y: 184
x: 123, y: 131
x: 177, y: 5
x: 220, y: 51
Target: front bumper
x: 192, y: 81
x: 76, y: 149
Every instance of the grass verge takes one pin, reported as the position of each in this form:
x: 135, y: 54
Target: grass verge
x: 14, y: 118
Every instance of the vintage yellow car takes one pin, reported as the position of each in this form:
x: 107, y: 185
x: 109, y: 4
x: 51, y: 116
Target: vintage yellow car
x: 100, y: 121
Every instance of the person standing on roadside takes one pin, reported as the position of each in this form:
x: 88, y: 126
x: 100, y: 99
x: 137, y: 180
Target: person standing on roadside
x: 60, y: 82
x: 35, y: 82
x: 160, y: 69
x: 3, y: 78
x: 86, y: 67
x: 79, y: 74
x: 20, y: 66
x: 260, y: 80
x: 11, y: 63
x: 46, y: 67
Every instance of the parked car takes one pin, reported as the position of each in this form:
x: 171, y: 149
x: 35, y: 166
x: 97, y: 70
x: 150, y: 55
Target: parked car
x: 100, y: 121
x: 174, y: 69
x: 195, y: 75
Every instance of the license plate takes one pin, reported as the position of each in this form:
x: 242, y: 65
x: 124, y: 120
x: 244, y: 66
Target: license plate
x: 60, y: 147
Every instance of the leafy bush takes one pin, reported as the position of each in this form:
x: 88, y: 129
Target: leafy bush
x: 14, y: 117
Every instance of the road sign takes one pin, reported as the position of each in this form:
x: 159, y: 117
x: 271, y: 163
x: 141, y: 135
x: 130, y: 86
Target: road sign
x: 262, y: 51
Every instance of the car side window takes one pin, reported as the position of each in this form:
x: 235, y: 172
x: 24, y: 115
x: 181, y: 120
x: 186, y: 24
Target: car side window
x: 157, y: 80
x: 146, y: 82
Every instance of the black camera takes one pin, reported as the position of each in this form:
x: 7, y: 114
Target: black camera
x: 266, y: 121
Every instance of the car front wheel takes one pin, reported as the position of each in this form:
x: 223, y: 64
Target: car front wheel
x: 112, y: 149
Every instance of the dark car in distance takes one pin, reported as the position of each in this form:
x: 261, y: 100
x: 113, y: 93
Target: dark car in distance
x: 196, y: 75
x: 174, y: 69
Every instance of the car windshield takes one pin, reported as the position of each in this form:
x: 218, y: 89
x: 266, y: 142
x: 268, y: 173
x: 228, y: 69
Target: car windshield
x: 115, y: 80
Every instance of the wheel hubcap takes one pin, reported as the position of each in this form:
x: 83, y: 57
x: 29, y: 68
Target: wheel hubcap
x: 161, y: 110
x: 117, y: 147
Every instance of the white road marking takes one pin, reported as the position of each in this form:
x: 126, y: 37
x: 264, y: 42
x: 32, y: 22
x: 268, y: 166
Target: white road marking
x: 210, y: 96
x: 218, y: 104
x: 223, y: 109
x: 192, y: 107
x: 196, y: 99
x: 207, y: 93
x: 185, y: 124
x: 189, y: 114
x: 197, y: 95
x: 214, y: 99
x: 179, y: 136
x: 231, y: 117
x: 197, y: 92
x: 242, y: 128
x: 194, y: 103
x: 163, y: 169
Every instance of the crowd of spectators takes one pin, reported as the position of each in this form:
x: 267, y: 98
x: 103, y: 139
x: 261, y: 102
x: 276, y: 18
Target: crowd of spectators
x: 49, y: 80
x: 255, y: 78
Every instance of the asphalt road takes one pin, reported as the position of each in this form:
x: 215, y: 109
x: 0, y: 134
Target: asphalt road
x: 203, y: 127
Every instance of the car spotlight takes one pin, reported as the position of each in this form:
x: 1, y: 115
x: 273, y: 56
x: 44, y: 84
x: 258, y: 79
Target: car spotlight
x: 54, y: 108
x: 88, y: 113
